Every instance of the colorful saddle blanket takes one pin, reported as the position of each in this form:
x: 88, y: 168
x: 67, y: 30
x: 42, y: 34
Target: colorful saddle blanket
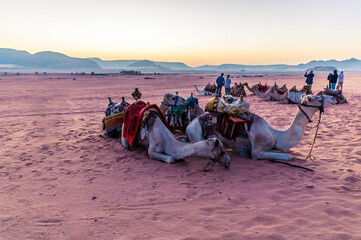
x: 114, y: 116
x: 133, y: 119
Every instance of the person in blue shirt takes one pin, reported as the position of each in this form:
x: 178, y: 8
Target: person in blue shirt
x: 309, y: 78
x: 220, y: 83
x: 227, y: 85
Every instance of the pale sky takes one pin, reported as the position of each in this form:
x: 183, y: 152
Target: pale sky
x: 195, y: 32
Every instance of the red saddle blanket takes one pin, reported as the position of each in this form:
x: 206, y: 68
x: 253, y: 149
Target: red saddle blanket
x: 231, y: 127
x: 133, y: 118
x: 263, y: 88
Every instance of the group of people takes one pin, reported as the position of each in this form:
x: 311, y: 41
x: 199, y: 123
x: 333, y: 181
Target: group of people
x: 223, y: 82
x: 332, y: 78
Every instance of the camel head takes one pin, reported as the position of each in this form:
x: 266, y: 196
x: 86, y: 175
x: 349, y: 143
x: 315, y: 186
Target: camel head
x: 216, y: 149
x: 173, y: 100
x: 314, y: 100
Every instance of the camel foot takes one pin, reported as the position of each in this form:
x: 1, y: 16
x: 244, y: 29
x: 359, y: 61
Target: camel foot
x: 271, y: 155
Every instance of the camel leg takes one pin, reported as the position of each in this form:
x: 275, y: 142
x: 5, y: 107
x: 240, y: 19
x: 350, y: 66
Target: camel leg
x: 124, y: 141
x: 194, y: 131
x: 161, y: 157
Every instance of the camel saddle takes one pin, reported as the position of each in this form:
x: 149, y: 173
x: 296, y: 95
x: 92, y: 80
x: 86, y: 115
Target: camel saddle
x: 134, y: 117
x: 210, y: 88
x: 231, y: 127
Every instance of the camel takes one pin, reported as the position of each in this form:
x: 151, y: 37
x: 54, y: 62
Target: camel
x: 184, y: 114
x: 208, y: 90
x: 263, y: 138
x: 274, y: 93
x: 162, y: 145
x: 169, y: 100
x: 238, y: 90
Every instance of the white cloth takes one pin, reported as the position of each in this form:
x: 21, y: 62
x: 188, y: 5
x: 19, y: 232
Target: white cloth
x: 295, y: 97
x: 340, y: 77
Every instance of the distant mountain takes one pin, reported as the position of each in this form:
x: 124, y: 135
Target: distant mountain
x: 174, y: 65
x: 322, y: 69
x: 53, y: 60
x: 146, y: 65
x: 45, y: 60
x: 113, y: 64
x: 11, y: 58
x: 349, y: 64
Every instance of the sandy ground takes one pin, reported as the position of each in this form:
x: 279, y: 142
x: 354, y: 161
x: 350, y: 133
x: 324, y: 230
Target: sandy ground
x: 61, y: 178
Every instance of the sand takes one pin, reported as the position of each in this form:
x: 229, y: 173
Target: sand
x: 61, y: 178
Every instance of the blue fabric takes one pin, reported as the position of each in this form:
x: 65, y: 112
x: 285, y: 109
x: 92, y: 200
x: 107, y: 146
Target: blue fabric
x: 309, y: 79
x: 228, y: 83
x: 228, y: 91
x: 220, y: 81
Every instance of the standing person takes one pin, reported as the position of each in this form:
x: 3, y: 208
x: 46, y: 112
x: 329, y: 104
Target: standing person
x: 340, y: 81
x: 309, y: 79
x: 227, y: 85
x: 220, y: 82
x: 333, y: 80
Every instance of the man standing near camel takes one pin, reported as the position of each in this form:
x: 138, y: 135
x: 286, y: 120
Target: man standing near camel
x: 220, y: 83
x: 309, y: 80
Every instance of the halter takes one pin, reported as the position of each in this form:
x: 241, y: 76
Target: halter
x: 170, y: 105
x: 321, y: 108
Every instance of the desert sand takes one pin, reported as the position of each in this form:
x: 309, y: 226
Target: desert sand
x: 62, y: 178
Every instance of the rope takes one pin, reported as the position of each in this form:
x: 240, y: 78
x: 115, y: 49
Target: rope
x: 209, y: 166
x: 310, y: 156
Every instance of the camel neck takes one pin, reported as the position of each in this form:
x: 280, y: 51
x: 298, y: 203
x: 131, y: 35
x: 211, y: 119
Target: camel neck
x: 292, y: 136
x: 163, y: 108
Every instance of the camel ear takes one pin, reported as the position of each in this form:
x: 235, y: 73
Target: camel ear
x: 309, y: 98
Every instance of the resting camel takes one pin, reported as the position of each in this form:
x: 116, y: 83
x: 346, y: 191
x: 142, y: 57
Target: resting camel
x: 238, y: 90
x: 169, y: 100
x: 274, y: 93
x: 162, y: 145
x: 208, y: 90
x: 180, y: 120
x: 263, y: 138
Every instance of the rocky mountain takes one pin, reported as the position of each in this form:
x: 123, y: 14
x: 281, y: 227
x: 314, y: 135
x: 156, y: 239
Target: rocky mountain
x: 10, y: 58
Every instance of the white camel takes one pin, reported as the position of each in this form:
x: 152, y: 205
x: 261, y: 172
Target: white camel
x: 263, y: 138
x: 271, y: 94
x: 204, y: 92
x: 169, y: 100
x: 162, y: 145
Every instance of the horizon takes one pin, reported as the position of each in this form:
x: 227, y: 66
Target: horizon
x: 194, y: 33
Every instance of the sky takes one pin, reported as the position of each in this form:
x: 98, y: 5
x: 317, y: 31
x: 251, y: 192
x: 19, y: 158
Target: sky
x: 195, y: 32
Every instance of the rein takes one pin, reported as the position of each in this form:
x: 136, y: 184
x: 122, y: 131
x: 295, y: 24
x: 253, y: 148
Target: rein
x: 321, y: 108
x: 211, y: 162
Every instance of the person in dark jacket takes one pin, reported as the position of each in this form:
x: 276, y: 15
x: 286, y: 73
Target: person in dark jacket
x: 309, y: 78
x: 220, y: 83
x: 333, y: 80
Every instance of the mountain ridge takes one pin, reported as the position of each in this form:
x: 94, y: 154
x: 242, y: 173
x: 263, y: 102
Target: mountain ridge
x: 56, y: 60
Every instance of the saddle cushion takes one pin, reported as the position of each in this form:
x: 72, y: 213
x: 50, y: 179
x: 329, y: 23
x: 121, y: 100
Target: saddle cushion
x: 114, y: 116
